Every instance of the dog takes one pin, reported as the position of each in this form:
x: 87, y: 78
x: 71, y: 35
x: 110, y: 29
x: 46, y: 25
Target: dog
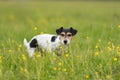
x: 49, y: 42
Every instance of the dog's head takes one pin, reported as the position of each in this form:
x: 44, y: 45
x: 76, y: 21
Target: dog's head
x: 66, y: 34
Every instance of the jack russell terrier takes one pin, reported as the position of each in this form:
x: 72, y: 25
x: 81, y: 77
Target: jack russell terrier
x: 49, y: 42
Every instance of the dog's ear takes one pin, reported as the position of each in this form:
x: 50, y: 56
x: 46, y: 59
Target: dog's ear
x: 58, y: 31
x: 73, y: 31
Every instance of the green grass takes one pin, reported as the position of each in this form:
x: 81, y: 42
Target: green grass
x: 94, y: 51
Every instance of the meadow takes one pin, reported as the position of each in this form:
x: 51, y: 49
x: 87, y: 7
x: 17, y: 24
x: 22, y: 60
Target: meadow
x: 94, y: 51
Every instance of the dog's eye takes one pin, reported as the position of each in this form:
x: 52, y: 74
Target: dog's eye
x: 69, y: 35
x: 62, y: 35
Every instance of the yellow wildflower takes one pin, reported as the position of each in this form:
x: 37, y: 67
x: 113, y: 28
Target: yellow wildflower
x: 117, y: 47
x: 96, y: 53
x: 66, y: 55
x: 99, y: 40
x: 20, y: 46
x: 64, y: 69
x: 0, y: 59
x: 38, y: 55
x: 54, y: 68
x: 115, y: 59
x: 118, y: 26
x: 118, y: 52
x: 21, y: 69
x: 26, y: 71
x: 109, y: 48
x: 12, y: 17
x: 60, y: 63
x: 41, y: 33
x: 108, y: 76
x: 35, y: 28
x: 10, y: 51
x: 23, y: 57
x: 54, y: 59
x: 96, y: 46
x: 87, y: 37
x: 87, y: 76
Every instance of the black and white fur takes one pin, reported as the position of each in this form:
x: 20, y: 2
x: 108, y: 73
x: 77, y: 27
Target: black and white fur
x: 49, y: 42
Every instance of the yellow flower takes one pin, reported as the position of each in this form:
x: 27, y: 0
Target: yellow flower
x: 117, y: 47
x: 35, y: 28
x: 109, y: 48
x: 60, y: 63
x: 115, y: 59
x: 99, y: 40
x: 19, y: 49
x: 87, y: 76
x: 87, y: 37
x: 118, y: 26
x: 26, y: 71
x: 96, y: 53
x: 37, y: 55
x: 108, y: 76
x: 54, y: 59
x: 66, y: 55
x: 23, y: 57
x: 96, y: 46
x: 118, y: 52
x: 54, y: 68
x: 0, y: 59
x: 10, y: 51
x: 20, y: 46
x: 41, y: 33
x: 12, y: 17
x: 64, y: 69
x: 21, y: 69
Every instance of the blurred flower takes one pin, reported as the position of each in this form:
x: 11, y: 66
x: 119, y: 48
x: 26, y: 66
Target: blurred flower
x: 108, y: 76
x: 24, y: 70
x: 67, y: 55
x: 87, y: 37
x: 118, y: 52
x: 54, y: 59
x: 37, y: 55
x: 118, y: 26
x: 64, y: 69
x: 109, y: 48
x: 41, y: 32
x: 87, y: 76
x: 117, y: 47
x: 115, y: 59
x: 10, y: 50
x: 96, y: 46
x: 99, y: 40
x: 23, y: 57
x: 35, y: 28
x: 96, y: 53
x: 60, y: 63
x: 0, y: 59
x: 54, y: 68
x: 12, y: 17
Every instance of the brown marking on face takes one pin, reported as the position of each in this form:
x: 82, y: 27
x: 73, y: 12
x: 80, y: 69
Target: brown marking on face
x: 67, y: 35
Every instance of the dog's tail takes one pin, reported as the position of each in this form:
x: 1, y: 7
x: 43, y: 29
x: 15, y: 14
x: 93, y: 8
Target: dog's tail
x: 25, y: 42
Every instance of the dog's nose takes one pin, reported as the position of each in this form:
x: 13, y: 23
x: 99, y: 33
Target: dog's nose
x: 65, y: 41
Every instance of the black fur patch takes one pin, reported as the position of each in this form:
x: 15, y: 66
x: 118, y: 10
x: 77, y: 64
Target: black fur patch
x: 33, y: 43
x: 53, y: 38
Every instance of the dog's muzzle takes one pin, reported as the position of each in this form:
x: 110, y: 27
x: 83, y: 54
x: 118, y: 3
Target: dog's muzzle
x: 65, y: 42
